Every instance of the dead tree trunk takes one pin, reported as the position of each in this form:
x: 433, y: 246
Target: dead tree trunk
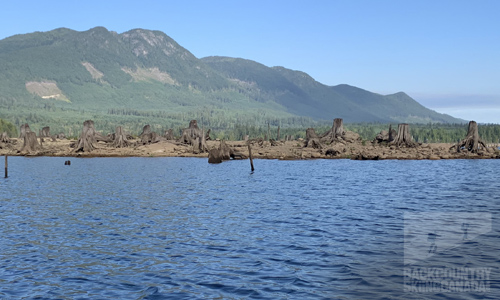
x: 120, y: 140
x: 278, y: 135
x: 87, y: 138
x: 30, y: 143
x: 403, y: 137
x: 472, y: 141
x: 312, y: 139
x: 45, y: 132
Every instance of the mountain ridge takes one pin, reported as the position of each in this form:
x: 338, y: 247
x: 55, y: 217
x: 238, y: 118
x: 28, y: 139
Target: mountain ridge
x: 98, y: 70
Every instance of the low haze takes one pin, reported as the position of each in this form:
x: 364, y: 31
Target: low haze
x: 442, y: 53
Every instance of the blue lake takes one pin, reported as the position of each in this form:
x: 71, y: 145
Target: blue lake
x: 179, y: 228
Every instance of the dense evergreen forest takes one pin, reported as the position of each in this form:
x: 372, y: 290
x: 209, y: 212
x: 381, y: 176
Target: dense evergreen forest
x: 228, y: 125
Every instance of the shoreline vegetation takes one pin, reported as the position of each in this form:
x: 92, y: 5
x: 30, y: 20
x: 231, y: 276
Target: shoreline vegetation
x: 336, y: 143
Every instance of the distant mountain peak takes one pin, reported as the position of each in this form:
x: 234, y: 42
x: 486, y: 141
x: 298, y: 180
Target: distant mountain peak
x: 143, y: 69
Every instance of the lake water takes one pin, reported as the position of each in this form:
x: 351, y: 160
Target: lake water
x: 179, y: 228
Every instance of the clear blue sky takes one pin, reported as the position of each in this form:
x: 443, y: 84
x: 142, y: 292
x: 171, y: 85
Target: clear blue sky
x: 445, y: 54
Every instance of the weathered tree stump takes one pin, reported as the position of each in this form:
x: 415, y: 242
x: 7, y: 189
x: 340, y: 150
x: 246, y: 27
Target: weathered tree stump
x: 4, y: 138
x: 214, y: 156
x: 312, y: 139
x: 191, y: 133
x: 23, y: 129
x: 45, y: 132
x: 472, y: 141
x: 120, y: 138
x: 169, y: 135
x: 147, y: 136
x: 207, y: 137
x: 336, y: 133
x: 218, y: 155
x: 385, y: 136
x: 87, y: 138
x: 30, y: 143
x: 403, y: 138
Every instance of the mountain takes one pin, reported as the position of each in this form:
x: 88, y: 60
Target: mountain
x: 62, y: 76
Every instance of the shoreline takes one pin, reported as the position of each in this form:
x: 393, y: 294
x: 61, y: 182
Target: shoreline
x: 281, y: 150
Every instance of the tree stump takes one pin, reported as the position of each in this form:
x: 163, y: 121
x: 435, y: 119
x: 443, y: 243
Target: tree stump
x: 191, y: 133
x: 214, y: 156
x: 23, y: 129
x: 218, y: 155
x: 403, y: 137
x: 45, y: 132
x: 30, y: 143
x: 147, y: 136
x: 385, y: 136
x: 472, y: 141
x: 336, y: 133
x: 87, y: 138
x: 4, y: 138
x: 392, y: 134
x: 312, y: 139
x: 169, y: 135
x: 120, y: 138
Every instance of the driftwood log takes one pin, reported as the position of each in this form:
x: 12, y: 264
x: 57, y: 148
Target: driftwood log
x: 30, y: 143
x: 472, y: 141
x: 120, y: 138
x: 312, y: 139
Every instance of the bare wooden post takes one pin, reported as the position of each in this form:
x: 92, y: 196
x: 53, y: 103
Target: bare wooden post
x: 6, y: 167
x: 250, y: 156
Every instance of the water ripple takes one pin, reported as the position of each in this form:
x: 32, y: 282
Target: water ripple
x: 179, y: 228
